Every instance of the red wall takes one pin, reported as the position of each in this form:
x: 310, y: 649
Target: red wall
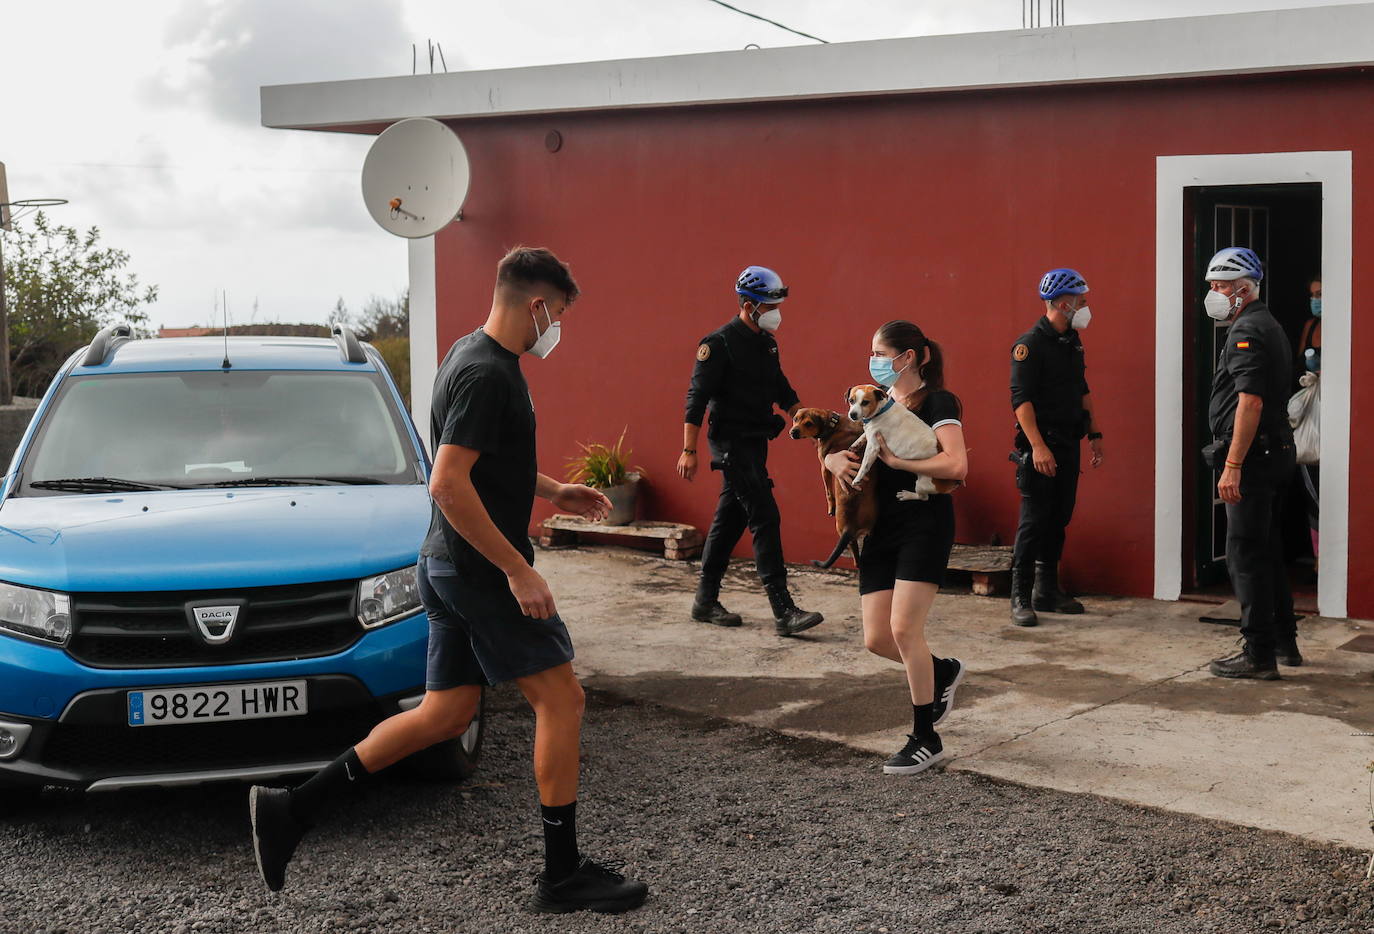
x: 944, y: 209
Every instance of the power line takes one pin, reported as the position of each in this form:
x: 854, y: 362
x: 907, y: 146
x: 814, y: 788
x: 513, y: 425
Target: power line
x: 771, y: 22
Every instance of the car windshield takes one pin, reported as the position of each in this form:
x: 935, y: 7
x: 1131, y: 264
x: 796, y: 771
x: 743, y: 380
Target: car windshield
x: 125, y: 432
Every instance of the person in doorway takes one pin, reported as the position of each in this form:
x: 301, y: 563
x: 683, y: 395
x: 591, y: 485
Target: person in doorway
x: 1248, y: 416
x: 903, y: 561
x: 491, y: 615
x: 1310, y: 361
x: 1053, y: 408
x: 739, y: 377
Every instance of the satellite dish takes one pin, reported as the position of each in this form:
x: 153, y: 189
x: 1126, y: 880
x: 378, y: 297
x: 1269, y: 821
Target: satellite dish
x: 415, y: 177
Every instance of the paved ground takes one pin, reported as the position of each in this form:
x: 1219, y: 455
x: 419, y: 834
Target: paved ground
x: 1116, y: 702
x: 738, y: 829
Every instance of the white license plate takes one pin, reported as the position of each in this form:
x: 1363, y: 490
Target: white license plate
x: 211, y: 703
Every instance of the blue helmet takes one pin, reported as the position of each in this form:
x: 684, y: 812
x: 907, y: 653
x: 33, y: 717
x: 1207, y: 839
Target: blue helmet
x: 761, y: 284
x: 1235, y: 262
x: 1063, y: 281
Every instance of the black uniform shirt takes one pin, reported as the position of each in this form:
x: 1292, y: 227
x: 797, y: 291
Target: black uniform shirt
x: 1257, y: 359
x: 1047, y: 370
x: 481, y: 401
x: 739, y: 376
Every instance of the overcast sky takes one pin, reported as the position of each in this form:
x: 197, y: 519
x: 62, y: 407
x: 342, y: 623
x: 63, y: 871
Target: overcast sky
x: 144, y: 114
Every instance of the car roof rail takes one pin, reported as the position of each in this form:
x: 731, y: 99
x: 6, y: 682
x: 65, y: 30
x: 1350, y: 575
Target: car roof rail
x: 348, y: 344
x: 105, y: 342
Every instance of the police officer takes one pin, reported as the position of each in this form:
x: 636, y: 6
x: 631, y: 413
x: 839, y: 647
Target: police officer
x: 1049, y: 395
x: 739, y: 377
x: 1254, y: 451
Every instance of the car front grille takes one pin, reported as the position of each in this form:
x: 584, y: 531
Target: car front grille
x: 151, y: 630
x: 112, y: 749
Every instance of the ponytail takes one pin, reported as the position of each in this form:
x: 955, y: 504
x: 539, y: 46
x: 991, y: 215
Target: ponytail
x: 902, y: 336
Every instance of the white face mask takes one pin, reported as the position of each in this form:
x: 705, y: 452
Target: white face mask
x: 1218, y: 306
x: 1081, y: 318
x: 769, y: 320
x: 545, y: 343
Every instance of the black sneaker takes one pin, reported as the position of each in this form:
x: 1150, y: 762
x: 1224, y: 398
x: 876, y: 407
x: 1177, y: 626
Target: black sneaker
x: 916, y: 756
x: 1245, y: 665
x: 597, y: 886
x: 949, y: 674
x: 275, y: 833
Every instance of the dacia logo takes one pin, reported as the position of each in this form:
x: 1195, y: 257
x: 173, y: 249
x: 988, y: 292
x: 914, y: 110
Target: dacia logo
x: 215, y: 624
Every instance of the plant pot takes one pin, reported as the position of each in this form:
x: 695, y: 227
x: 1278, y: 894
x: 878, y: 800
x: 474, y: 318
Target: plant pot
x: 624, y: 501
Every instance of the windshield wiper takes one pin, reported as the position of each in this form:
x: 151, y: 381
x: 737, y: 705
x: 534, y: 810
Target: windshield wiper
x: 297, y: 481
x: 100, y: 485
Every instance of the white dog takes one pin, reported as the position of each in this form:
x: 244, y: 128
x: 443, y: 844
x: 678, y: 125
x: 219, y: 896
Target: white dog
x: 904, y: 433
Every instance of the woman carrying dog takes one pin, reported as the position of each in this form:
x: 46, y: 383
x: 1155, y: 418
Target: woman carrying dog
x: 903, y: 560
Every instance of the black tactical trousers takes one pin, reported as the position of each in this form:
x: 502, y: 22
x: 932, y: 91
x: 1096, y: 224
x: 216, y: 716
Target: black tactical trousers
x: 746, y: 501
x: 1046, y: 506
x: 1254, y: 548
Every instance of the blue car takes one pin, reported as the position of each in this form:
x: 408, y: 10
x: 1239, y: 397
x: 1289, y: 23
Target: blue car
x: 207, y: 565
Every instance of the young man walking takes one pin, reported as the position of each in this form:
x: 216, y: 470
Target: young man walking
x: 491, y: 615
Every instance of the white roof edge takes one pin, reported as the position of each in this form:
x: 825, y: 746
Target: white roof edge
x: 1255, y: 43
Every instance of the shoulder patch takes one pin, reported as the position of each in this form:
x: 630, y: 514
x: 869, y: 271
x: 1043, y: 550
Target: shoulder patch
x: 704, y: 352
x: 1020, y: 352
x: 1242, y: 345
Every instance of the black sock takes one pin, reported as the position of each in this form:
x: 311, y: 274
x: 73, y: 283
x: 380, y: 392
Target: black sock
x: 924, y: 720
x: 309, y: 800
x: 560, y: 841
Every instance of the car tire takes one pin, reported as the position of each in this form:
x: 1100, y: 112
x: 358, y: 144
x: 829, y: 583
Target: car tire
x: 453, y: 760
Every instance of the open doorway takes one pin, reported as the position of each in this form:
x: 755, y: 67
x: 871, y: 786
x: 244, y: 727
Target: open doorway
x: 1283, y: 224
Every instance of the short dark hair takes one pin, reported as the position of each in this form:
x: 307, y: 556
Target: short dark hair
x: 527, y: 267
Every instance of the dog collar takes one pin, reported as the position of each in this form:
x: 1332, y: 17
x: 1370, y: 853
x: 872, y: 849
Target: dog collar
x: 890, y: 402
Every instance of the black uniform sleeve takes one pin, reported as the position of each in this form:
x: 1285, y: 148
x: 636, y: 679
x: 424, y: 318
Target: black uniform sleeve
x: 707, y: 376
x: 942, y: 408
x: 477, y: 410
x: 1025, y: 371
x: 1247, y: 360
x: 787, y: 396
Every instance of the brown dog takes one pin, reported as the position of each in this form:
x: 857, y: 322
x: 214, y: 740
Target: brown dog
x: 855, y: 511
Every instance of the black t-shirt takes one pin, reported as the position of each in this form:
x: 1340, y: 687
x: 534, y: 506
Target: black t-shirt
x: 1257, y: 359
x: 940, y: 407
x: 481, y: 401
x: 1048, y: 371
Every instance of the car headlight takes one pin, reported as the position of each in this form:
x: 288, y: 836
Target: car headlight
x: 36, y: 614
x: 388, y: 597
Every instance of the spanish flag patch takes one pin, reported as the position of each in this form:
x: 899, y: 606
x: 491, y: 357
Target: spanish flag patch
x: 1242, y: 345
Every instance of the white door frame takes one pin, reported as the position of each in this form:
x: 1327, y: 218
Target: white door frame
x: 1173, y: 174
x: 424, y: 332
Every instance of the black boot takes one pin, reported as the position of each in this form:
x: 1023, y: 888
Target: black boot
x: 706, y: 607
x: 1247, y: 663
x: 1021, y: 612
x: 1047, y: 597
x: 789, y: 619
x: 1286, y: 651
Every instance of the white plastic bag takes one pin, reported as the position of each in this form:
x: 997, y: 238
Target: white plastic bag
x: 1304, y: 414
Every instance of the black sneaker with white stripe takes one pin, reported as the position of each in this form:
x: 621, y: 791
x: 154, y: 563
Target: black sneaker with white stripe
x: 919, y: 754
x: 949, y: 674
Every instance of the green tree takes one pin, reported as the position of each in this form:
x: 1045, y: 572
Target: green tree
x: 61, y: 286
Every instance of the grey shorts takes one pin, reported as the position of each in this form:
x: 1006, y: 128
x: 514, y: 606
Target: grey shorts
x: 478, y: 635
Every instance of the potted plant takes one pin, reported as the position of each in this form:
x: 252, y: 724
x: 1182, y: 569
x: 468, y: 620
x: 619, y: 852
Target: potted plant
x: 606, y: 468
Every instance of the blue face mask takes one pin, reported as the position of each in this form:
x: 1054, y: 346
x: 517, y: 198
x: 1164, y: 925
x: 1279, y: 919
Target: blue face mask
x: 880, y: 368
x: 1316, y: 307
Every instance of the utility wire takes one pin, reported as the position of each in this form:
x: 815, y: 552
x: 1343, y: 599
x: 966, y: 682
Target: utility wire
x: 771, y: 22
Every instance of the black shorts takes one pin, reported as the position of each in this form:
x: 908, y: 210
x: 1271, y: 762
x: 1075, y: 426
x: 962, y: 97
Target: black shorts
x: 910, y: 542
x: 480, y: 636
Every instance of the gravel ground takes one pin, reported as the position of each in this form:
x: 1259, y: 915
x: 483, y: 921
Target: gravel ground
x: 735, y: 829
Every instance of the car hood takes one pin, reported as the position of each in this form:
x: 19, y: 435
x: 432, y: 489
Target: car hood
x: 210, y: 539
